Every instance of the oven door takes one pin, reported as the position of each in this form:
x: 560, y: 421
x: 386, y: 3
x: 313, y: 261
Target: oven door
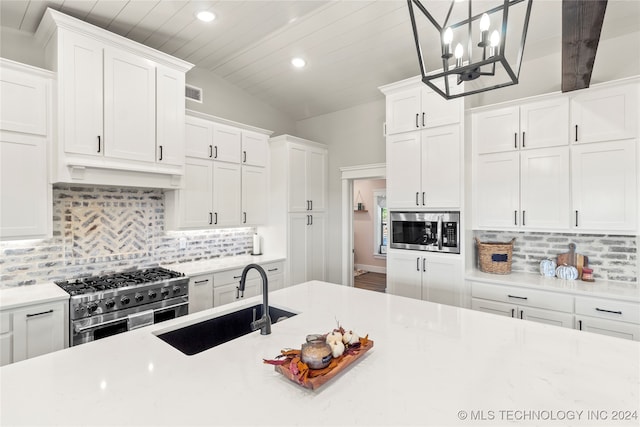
x: 106, y: 325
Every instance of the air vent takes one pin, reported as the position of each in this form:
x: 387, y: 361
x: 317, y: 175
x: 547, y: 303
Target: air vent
x: 193, y: 93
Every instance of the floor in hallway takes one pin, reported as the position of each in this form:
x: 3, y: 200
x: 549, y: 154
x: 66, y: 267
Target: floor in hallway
x: 371, y: 281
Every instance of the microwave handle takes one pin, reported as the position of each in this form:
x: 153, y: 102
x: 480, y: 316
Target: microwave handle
x: 440, y: 232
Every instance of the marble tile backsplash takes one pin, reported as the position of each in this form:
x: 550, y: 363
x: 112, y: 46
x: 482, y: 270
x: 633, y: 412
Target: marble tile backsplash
x: 612, y: 257
x: 108, y: 229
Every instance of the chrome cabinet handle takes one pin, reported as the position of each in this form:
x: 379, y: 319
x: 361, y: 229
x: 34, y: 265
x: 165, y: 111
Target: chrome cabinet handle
x: 608, y: 311
x: 517, y: 297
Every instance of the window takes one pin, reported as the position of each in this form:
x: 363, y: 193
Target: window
x: 380, y: 225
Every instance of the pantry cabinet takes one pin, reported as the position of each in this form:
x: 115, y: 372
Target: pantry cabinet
x: 527, y: 304
x: 423, y: 168
x: 120, y: 107
x: 604, y: 186
x: 430, y: 277
x: 25, y: 138
x: 307, y: 247
x: 308, y: 178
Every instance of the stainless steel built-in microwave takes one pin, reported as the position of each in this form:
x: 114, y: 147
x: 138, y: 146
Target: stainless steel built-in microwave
x: 426, y: 231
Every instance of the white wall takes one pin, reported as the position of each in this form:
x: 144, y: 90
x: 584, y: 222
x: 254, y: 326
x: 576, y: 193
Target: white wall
x: 20, y: 46
x: 354, y: 137
x: 225, y: 100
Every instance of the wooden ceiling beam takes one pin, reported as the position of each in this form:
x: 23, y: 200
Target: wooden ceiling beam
x: 581, y: 26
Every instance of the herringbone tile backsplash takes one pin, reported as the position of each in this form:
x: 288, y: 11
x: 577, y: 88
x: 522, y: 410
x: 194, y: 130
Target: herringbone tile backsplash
x: 107, y: 229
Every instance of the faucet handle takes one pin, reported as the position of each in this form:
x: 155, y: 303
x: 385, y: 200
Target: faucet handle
x: 254, y: 315
x: 240, y: 294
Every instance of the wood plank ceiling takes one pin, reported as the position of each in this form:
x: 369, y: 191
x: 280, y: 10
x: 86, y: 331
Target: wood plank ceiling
x: 351, y: 46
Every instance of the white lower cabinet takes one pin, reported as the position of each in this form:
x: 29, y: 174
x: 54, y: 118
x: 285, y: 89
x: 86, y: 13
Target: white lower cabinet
x: 225, y: 283
x: 307, y: 247
x: 200, y: 292
x: 430, y: 277
x: 33, y: 330
x: 608, y: 317
x: 522, y: 303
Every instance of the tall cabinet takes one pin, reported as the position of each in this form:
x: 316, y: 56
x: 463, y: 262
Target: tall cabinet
x: 425, y: 161
x: 298, y: 207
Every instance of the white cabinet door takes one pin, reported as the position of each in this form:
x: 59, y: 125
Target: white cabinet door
x: 254, y: 149
x: 276, y: 282
x: 316, y: 178
x: 38, y: 329
x: 496, y: 130
x: 227, y: 201
x: 496, y: 190
x: 24, y: 187
x: 438, y: 111
x: 298, y: 248
x: 612, y: 328
x: 224, y: 294
x: 81, y: 96
x: 198, y: 138
x: 548, y: 317
x: 605, y: 114
x: 200, y: 293
x: 170, y: 112
x: 298, y: 200
x: 6, y: 348
x: 403, y: 111
x: 545, y: 189
x: 316, y: 246
x: 130, y: 106
x: 403, y: 170
x: 442, y: 279
x: 604, y: 186
x: 226, y: 143
x: 24, y: 102
x: 404, y: 274
x: 493, y: 307
x: 544, y: 123
x: 196, y: 202
x: 440, y: 154
x: 254, y: 195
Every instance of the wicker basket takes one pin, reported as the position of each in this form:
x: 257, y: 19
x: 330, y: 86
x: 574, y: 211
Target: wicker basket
x: 495, y: 257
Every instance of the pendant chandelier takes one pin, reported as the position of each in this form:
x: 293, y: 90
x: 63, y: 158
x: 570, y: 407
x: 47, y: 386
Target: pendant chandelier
x: 478, y: 42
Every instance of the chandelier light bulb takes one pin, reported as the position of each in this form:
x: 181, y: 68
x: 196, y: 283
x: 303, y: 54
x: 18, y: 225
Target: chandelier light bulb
x: 447, y: 38
x: 459, y: 51
x: 485, y: 22
x: 495, y: 38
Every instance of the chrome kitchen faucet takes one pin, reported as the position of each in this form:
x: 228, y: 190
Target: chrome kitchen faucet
x: 264, y: 323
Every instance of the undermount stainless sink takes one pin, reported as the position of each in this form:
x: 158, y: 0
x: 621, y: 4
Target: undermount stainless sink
x: 207, y: 334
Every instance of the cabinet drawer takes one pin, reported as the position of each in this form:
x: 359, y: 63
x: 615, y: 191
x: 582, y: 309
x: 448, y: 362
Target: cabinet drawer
x: 523, y: 296
x: 608, y: 309
x: 230, y: 276
x: 5, y: 322
x: 273, y: 268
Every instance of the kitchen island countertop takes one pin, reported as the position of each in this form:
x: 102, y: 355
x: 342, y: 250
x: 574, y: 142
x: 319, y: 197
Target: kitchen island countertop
x: 431, y: 365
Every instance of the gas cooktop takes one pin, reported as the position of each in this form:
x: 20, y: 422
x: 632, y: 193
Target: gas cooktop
x: 87, y: 285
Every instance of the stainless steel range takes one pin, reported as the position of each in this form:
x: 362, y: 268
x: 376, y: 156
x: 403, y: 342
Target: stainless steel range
x: 101, y: 306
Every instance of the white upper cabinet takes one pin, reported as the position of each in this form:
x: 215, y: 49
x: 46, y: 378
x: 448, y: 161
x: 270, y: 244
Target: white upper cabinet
x: 129, y: 106
x: 535, y: 124
x: 254, y: 195
x: 605, y: 186
x: 226, y: 143
x: 195, y: 200
x: 254, y: 149
x: 308, y: 178
x: 496, y: 190
x: 198, y: 138
x: 227, y: 202
x: 25, y: 137
x: 605, y: 114
x: 120, y: 107
x: 411, y: 105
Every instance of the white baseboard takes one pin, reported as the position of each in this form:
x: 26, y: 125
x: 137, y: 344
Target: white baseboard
x: 371, y: 268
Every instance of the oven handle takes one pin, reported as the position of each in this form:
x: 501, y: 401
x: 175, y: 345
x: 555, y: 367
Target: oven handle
x: 80, y: 330
x: 440, y: 232
x: 180, y: 304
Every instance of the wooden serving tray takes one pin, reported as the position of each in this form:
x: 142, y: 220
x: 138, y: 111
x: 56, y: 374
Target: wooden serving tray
x: 315, y: 382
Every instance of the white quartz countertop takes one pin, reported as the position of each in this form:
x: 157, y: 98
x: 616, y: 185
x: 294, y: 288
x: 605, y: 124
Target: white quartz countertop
x: 32, y: 294
x: 625, y: 291
x: 220, y: 264
x: 431, y: 365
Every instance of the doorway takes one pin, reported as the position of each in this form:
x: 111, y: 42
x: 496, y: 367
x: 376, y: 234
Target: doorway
x: 350, y: 211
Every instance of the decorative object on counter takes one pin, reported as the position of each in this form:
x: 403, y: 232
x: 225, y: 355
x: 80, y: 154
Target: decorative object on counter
x: 587, y: 274
x: 344, y: 347
x: 479, y: 39
x: 495, y: 257
x: 257, y: 249
x: 316, y: 352
x: 573, y: 259
x: 567, y: 272
x: 548, y: 268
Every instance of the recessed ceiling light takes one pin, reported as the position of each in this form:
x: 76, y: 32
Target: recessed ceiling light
x: 206, y: 16
x: 298, y: 62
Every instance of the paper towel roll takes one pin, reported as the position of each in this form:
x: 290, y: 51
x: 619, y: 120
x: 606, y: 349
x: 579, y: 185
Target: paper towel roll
x: 256, y: 245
